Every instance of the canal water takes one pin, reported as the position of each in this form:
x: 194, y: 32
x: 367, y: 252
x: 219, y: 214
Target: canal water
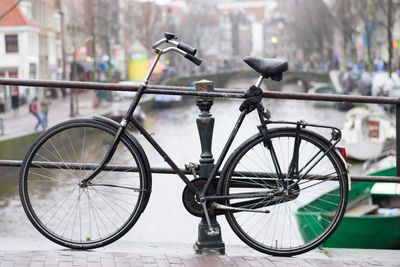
x: 165, y: 219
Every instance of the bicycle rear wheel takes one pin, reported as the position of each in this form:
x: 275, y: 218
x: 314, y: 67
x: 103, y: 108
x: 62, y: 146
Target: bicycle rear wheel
x: 286, y: 223
x: 75, y: 215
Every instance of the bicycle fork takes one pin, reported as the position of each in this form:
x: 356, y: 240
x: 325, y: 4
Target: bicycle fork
x: 123, y: 125
x: 121, y: 130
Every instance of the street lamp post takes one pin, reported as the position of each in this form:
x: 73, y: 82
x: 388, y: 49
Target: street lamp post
x: 274, y: 41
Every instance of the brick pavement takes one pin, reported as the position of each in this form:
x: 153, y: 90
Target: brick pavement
x: 65, y: 258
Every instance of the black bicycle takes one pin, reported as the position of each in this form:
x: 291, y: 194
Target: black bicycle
x: 85, y: 182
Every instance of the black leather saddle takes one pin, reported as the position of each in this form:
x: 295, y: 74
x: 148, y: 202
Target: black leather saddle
x: 268, y: 67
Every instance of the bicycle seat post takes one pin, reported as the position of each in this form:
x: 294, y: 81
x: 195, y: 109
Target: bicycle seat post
x: 207, y: 238
x: 259, y: 81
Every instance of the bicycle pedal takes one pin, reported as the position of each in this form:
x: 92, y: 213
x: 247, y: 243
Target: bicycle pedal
x: 213, y: 232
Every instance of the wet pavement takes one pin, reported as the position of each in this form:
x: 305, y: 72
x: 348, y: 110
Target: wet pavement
x: 26, y: 252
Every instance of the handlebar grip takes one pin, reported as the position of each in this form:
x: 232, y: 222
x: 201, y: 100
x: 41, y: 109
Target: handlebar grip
x: 194, y: 59
x: 187, y: 48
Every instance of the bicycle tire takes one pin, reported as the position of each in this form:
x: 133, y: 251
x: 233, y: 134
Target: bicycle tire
x: 83, y: 217
x: 303, y: 218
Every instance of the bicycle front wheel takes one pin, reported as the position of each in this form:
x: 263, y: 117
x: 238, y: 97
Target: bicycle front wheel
x: 290, y: 210
x: 76, y: 215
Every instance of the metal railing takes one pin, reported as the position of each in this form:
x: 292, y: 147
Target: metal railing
x: 217, y: 92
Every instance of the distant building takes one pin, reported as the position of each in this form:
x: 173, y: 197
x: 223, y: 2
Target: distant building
x: 235, y: 37
x: 247, y: 25
x: 48, y: 19
x: 19, y: 48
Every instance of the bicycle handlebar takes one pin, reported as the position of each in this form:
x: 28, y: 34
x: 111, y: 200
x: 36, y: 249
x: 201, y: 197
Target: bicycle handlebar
x: 194, y: 59
x: 186, y: 50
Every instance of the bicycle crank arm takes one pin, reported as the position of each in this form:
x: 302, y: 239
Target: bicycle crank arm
x: 211, y: 231
x: 224, y: 207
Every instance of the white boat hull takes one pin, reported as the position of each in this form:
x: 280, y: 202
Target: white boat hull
x: 365, y: 133
x: 363, y: 151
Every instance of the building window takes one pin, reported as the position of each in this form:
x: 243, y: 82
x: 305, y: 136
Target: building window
x: 11, y: 43
x: 32, y: 70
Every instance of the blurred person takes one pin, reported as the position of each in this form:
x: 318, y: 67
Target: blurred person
x: 44, y: 109
x: 34, y: 110
x: 15, y: 100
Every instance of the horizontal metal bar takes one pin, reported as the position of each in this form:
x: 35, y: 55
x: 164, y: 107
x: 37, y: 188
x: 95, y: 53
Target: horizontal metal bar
x: 160, y: 170
x: 384, y: 179
x: 87, y: 166
x: 181, y: 90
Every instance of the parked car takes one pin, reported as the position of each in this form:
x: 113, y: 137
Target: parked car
x: 323, y: 88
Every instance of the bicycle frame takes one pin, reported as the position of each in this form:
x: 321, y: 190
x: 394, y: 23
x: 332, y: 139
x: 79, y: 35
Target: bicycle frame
x: 128, y: 118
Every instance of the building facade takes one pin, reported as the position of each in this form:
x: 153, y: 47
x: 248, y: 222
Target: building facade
x: 46, y: 15
x: 19, y: 50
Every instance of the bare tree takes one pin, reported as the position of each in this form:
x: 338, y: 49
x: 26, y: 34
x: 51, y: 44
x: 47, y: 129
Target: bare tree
x: 389, y: 9
x: 312, y: 32
x: 367, y: 14
x: 197, y: 27
x: 148, y: 23
x: 346, y: 23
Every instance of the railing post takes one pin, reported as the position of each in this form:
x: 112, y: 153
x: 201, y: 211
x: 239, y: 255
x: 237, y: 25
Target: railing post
x: 205, y: 126
x: 398, y: 140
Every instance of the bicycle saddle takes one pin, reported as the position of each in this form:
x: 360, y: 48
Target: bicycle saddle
x: 268, y: 67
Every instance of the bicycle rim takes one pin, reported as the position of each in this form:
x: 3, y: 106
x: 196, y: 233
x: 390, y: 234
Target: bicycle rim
x: 75, y: 216
x: 292, y: 222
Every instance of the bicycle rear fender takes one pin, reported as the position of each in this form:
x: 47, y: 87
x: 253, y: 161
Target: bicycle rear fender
x: 142, y: 154
x: 258, y: 135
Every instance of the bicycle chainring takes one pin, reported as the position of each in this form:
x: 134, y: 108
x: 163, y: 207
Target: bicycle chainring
x: 189, y: 199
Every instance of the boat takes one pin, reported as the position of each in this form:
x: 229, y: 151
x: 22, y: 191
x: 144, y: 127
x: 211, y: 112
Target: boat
x: 323, y: 88
x: 372, y: 217
x: 366, y: 133
x: 385, y: 160
x: 333, y: 89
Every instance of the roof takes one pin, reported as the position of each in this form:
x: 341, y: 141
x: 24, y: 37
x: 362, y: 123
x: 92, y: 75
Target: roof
x: 15, y: 17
